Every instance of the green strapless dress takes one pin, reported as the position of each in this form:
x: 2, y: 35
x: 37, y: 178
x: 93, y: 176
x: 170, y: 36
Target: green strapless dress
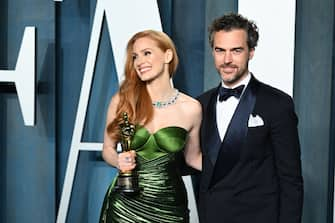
x: 163, y: 196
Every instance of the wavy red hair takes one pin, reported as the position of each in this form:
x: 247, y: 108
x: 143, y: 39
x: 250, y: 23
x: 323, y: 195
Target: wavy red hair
x: 134, y: 97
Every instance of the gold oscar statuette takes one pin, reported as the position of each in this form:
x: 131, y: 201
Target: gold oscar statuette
x: 127, y: 181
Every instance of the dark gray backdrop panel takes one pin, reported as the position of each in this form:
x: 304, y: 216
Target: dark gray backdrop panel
x: 313, y: 84
x: 28, y: 153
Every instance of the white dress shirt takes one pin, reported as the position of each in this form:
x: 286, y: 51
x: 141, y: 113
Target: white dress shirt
x: 225, y: 109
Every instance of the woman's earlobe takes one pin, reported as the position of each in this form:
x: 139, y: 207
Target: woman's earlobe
x: 168, y: 56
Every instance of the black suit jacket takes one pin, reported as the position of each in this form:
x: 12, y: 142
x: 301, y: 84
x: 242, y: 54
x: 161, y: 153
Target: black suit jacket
x: 264, y: 183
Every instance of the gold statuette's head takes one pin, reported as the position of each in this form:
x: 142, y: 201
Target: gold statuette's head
x: 127, y: 131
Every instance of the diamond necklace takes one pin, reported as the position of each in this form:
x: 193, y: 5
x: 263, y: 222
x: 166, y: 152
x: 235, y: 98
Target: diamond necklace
x: 171, y: 101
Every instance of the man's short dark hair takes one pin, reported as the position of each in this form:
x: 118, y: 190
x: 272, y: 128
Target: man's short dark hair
x: 233, y: 21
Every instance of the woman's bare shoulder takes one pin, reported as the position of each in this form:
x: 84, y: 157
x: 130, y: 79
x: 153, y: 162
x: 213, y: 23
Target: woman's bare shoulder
x: 113, y: 104
x: 190, y: 104
x: 114, y: 100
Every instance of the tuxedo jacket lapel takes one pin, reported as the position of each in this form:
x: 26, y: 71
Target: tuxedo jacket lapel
x: 236, y: 133
x: 210, y: 130
x: 211, y: 141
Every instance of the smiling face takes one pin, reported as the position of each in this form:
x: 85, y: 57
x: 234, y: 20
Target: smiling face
x: 150, y: 62
x: 231, y: 55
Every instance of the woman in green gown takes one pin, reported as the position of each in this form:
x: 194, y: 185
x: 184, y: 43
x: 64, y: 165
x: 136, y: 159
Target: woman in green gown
x: 166, y: 124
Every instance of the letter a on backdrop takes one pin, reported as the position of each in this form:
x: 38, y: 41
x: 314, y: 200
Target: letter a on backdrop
x: 124, y: 18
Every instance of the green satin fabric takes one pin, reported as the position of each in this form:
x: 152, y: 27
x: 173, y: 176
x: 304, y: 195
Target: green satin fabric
x: 163, y: 195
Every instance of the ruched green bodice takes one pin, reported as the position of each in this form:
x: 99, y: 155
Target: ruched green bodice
x: 165, y: 140
x: 163, y: 196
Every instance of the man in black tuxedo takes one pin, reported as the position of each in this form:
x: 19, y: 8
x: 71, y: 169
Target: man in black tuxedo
x: 251, y: 154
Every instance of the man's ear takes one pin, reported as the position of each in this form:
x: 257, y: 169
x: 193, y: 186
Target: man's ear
x: 168, y: 56
x: 251, y: 53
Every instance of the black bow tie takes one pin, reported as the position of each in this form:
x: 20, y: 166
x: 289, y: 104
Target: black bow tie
x: 225, y: 93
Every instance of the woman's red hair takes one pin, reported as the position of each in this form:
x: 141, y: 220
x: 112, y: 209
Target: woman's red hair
x: 134, y: 97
